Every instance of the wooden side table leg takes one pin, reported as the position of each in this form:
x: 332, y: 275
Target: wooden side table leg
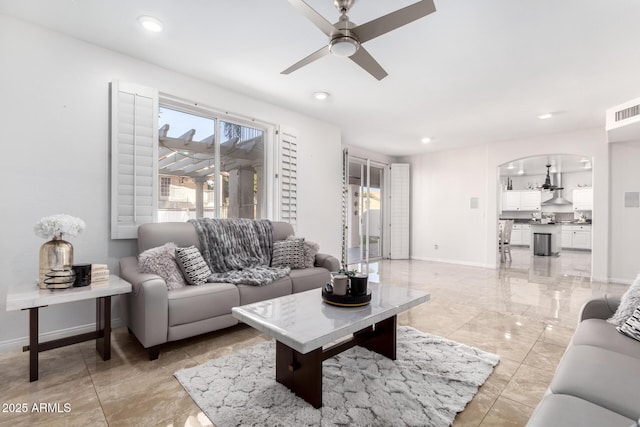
x: 103, y: 327
x: 33, y: 344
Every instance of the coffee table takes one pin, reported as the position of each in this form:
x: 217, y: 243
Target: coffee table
x: 302, y: 324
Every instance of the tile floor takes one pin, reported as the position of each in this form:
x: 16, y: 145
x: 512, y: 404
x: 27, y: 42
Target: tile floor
x: 525, y: 311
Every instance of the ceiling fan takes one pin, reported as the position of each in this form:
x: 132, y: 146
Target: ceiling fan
x: 346, y: 38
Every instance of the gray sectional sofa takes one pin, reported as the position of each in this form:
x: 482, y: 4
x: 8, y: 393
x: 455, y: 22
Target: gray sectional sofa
x: 156, y: 316
x: 597, y: 381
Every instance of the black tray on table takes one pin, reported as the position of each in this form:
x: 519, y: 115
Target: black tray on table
x: 346, y: 300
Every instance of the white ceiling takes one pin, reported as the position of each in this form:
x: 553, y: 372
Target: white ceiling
x: 470, y: 73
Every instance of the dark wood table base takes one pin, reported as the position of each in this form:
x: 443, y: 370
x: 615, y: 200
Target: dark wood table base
x: 302, y: 373
x: 102, y: 335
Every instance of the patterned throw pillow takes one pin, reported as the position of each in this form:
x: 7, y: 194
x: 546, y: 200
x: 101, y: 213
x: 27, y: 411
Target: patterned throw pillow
x: 628, y: 303
x: 162, y: 261
x: 193, y: 265
x: 288, y: 253
x: 310, y: 249
x: 631, y: 327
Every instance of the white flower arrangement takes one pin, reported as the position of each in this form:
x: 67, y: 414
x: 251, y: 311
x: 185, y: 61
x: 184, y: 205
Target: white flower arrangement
x: 57, y: 225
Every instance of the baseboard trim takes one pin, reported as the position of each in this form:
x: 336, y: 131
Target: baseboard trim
x: 18, y: 343
x: 620, y: 281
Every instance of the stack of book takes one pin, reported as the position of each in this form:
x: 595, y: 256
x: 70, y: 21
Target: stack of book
x: 99, y: 273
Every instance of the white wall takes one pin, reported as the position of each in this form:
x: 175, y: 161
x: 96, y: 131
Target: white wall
x: 443, y: 182
x: 625, y: 221
x: 442, y: 185
x: 54, y: 100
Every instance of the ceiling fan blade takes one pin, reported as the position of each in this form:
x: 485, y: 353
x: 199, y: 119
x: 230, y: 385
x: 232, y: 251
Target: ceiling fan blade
x: 323, y: 51
x: 370, y: 65
x: 393, y: 20
x: 313, y: 16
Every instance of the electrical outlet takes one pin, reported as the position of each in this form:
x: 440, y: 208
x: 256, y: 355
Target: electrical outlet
x: 435, y: 247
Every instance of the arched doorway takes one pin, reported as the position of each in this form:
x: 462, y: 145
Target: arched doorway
x: 554, y: 190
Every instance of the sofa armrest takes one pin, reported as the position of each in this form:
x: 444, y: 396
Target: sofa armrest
x: 146, y: 308
x: 329, y: 262
x: 601, y: 307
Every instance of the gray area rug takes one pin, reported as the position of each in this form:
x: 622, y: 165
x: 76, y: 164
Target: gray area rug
x: 432, y: 379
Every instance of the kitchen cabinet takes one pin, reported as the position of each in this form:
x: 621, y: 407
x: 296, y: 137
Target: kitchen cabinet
x: 530, y: 200
x: 576, y: 236
x: 521, y: 200
x: 583, y: 199
x: 521, y: 234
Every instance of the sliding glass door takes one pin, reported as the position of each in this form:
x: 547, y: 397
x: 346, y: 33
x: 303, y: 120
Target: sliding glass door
x: 365, y: 195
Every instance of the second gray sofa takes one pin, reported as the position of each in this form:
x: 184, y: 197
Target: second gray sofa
x: 596, y: 382
x: 156, y: 316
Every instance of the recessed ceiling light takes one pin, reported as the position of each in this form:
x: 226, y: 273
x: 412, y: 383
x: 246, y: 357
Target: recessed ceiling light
x: 425, y: 140
x: 545, y: 116
x: 150, y: 23
x: 510, y: 166
x: 584, y: 160
x: 321, y: 96
x: 521, y: 172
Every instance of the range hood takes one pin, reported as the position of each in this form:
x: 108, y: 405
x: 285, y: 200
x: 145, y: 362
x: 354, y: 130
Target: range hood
x: 557, y: 199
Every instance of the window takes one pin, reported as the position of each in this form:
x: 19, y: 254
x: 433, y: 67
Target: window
x: 165, y: 187
x: 187, y: 144
x: 173, y: 160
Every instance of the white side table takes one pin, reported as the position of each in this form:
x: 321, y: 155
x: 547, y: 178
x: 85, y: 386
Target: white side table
x: 35, y: 298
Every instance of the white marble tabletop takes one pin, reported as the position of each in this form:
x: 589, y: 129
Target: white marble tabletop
x: 19, y: 299
x: 304, y: 322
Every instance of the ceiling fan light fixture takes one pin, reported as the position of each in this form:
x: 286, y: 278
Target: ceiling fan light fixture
x: 343, y: 46
x: 150, y: 23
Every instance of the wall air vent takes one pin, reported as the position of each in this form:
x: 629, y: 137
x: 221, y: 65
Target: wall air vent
x: 627, y: 113
x: 623, y: 122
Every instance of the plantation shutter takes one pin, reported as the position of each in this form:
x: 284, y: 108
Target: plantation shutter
x: 134, y: 158
x: 288, y: 176
x: 399, y: 211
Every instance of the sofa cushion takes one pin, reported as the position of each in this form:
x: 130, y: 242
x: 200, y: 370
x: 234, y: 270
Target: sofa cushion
x: 628, y: 303
x: 288, y: 253
x: 281, y: 230
x: 193, y: 266
x: 309, y: 278
x: 194, y: 303
x: 601, y: 376
x: 151, y: 235
x: 600, y: 333
x: 569, y: 411
x: 162, y: 261
x: 250, y: 294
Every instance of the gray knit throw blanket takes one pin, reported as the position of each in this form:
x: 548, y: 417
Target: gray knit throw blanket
x: 238, y: 250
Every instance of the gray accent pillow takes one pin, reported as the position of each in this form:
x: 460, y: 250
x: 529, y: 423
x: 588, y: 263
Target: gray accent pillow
x: 631, y: 327
x: 628, y: 303
x: 193, y: 266
x: 162, y: 261
x: 309, y: 249
x: 288, y: 253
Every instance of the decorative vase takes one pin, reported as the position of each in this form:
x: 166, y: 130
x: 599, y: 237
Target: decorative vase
x: 55, y: 255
